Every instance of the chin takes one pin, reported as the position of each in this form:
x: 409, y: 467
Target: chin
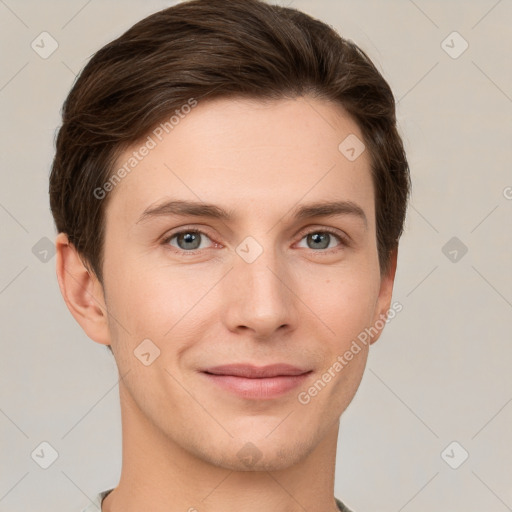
x: 266, y: 463
x: 260, y: 454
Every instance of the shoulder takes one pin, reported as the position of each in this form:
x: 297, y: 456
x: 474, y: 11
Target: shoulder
x: 95, y: 506
x: 342, y: 506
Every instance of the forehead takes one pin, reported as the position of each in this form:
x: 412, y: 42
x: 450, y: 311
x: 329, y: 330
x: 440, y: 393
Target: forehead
x: 245, y: 153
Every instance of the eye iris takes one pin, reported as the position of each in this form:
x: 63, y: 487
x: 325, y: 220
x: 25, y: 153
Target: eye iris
x: 189, y: 238
x: 192, y: 240
x: 319, y: 238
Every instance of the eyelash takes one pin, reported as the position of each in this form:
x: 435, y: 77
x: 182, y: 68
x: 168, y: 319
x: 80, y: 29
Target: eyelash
x: 343, y: 240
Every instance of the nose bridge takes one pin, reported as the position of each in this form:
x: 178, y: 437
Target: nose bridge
x: 261, y: 300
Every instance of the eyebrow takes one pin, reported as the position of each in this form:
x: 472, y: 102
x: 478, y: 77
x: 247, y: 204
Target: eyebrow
x: 301, y: 212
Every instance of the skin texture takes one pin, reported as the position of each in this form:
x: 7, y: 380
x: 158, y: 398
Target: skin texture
x: 296, y: 303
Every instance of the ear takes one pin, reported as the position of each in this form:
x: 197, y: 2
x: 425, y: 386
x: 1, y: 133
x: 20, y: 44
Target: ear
x: 82, y: 291
x: 384, y: 298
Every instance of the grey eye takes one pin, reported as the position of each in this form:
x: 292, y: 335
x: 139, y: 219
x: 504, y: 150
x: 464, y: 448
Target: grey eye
x: 187, y: 240
x: 321, y: 240
x: 318, y: 240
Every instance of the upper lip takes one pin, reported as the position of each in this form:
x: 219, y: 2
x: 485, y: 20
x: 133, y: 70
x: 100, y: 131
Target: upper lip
x: 254, y: 372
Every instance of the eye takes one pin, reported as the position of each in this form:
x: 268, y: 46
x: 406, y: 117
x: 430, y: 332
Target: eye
x: 188, y: 240
x: 323, y: 239
x: 192, y: 241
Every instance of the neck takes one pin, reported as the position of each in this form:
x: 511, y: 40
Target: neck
x: 157, y: 473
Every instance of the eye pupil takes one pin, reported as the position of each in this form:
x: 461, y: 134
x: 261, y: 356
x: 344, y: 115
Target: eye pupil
x: 189, y: 238
x: 320, y: 239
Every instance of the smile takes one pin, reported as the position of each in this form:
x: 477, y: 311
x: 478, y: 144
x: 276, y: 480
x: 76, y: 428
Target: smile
x: 257, y: 388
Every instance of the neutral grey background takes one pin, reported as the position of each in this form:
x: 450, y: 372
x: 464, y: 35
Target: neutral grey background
x: 441, y: 371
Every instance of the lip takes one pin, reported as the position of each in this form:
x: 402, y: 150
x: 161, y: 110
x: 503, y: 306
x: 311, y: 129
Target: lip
x: 253, y: 382
x: 250, y: 371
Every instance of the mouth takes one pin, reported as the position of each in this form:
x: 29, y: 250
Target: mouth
x: 258, y: 383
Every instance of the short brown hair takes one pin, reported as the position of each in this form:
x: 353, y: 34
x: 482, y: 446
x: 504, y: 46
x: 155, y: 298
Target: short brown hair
x: 209, y: 49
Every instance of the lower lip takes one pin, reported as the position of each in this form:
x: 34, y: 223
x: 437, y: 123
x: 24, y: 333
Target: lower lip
x: 264, y: 388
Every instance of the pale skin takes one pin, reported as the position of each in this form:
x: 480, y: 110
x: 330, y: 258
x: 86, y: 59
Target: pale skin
x: 298, y: 303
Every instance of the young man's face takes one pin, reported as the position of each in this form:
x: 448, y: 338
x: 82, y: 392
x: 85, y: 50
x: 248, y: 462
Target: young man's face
x: 251, y: 289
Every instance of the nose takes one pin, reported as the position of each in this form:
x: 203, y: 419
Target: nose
x: 260, y: 297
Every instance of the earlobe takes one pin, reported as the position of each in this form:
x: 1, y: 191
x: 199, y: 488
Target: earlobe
x: 82, y: 291
x: 385, y: 294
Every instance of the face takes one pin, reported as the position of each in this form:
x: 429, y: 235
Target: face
x: 260, y: 278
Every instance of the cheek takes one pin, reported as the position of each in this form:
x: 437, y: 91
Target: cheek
x: 153, y: 302
x: 346, y: 303
x: 347, y: 307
